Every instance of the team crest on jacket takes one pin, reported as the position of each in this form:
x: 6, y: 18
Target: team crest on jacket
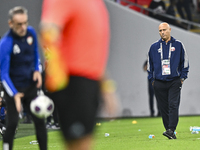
x: 16, y: 49
x: 159, y: 50
x: 29, y: 40
x: 172, y: 49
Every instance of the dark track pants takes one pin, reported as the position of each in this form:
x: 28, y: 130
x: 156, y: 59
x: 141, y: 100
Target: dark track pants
x: 151, y: 95
x: 168, y: 97
x: 13, y: 118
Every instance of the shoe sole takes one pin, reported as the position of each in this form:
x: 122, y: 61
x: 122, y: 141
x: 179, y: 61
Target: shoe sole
x: 167, y: 135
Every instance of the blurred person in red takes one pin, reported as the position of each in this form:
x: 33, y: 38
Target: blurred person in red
x: 77, y: 36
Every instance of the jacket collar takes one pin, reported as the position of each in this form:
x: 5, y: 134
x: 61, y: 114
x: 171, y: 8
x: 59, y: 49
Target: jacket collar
x: 171, y: 41
x: 15, y: 35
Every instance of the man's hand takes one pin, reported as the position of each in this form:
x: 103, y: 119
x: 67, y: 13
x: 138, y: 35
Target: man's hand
x: 17, y: 99
x: 111, y: 104
x: 110, y: 99
x: 182, y: 81
x: 37, y: 77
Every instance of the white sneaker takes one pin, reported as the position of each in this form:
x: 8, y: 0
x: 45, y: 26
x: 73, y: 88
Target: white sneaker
x: 55, y: 127
x: 48, y: 126
x: 1, y: 132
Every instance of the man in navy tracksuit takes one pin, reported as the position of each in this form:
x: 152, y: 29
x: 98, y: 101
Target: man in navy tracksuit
x: 167, y: 69
x: 20, y: 74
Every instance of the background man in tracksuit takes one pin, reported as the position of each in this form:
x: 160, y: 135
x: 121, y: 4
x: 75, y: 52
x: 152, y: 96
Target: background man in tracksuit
x: 20, y: 74
x: 167, y: 69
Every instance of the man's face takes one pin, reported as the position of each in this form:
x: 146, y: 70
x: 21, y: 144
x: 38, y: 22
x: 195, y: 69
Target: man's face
x: 19, y: 24
x: 164, y: 31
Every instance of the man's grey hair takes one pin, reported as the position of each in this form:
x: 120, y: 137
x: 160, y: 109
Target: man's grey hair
x: 17, y: 10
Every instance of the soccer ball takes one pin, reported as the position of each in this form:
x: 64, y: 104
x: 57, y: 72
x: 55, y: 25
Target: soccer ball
x: 42, y: 106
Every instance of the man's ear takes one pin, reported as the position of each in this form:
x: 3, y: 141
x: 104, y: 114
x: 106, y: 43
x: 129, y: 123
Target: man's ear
x: 10, y: 23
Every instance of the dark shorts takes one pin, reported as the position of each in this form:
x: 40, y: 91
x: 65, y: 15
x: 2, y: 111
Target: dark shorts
x: 77, y: 107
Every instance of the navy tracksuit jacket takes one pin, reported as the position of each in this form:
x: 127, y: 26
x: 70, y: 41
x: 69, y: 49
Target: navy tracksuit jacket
x: 167, y: 87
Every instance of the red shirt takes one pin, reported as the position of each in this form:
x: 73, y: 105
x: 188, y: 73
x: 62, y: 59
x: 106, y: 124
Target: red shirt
x: 84, y: 27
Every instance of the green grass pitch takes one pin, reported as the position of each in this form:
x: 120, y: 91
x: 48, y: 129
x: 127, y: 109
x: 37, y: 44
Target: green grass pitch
x: 123, y: 135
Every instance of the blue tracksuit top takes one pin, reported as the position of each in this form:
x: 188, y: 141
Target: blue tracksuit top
x: 19, y: 58
x: 179, y: 64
